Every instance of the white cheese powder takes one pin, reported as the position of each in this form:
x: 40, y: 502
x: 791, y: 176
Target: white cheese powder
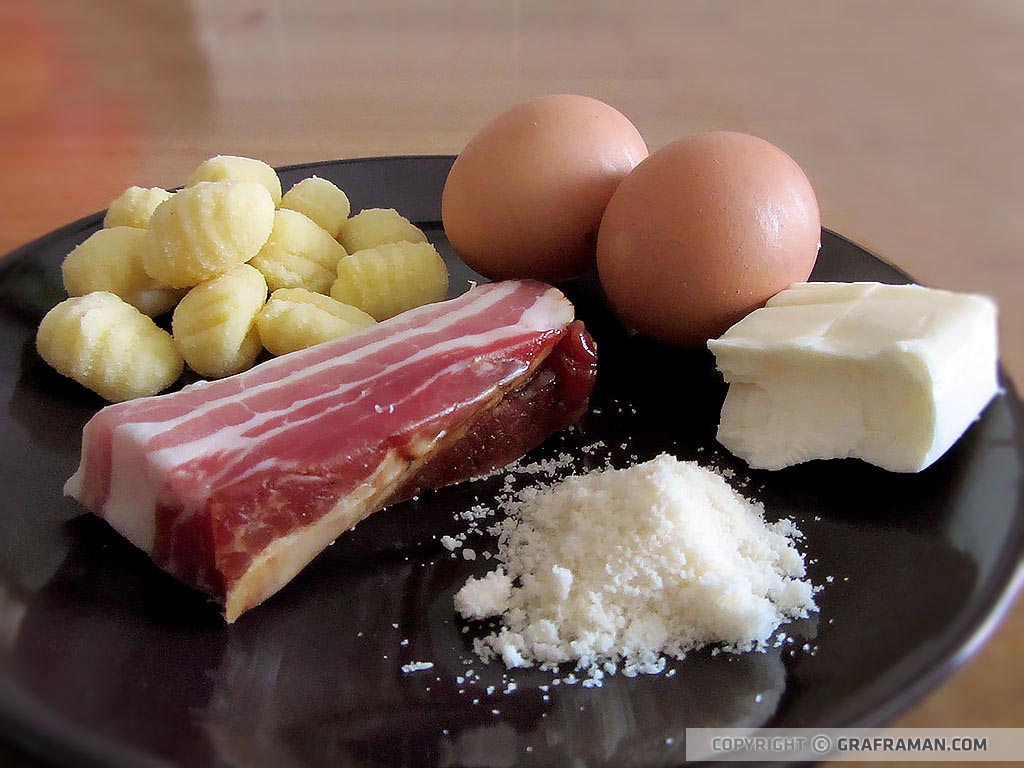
x: 484, y: 597
x: 629, y: 566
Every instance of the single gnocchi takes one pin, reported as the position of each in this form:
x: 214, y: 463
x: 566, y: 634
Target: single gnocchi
x: 391, y: 278
x: 378, y: 226
x: 214, y: 325
x: 111, y: 260
x: 321, y: 201
x: 295, y: 318
x: 206, y: 230
x: 134, y: 207
x: 234, y: 168
x: 298, y: 254
x: 107, y: 345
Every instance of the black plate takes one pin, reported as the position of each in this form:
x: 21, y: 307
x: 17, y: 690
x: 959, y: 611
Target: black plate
x: 105, y: 660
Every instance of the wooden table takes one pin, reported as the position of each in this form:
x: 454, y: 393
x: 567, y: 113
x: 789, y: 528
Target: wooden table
x: 906, y: 116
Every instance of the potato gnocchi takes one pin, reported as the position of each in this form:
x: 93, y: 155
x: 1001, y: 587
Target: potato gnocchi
x: 212, y: 252
x: 391, y: 278
x: 206, y: 230
x: 111, y: 260
x: 298, y: 254
x: 295, y: 318
x: 214, y: 325
x: 321, y: 201
x: 107, y: 345
x: 233, y: 168
x: 378, y: 226
x: 134, y: 207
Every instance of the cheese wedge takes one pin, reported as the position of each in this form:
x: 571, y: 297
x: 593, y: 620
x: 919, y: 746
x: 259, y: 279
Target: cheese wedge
x: 891, y: 374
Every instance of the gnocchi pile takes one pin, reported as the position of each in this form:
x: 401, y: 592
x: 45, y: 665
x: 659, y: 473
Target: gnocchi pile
x: 244, y: 268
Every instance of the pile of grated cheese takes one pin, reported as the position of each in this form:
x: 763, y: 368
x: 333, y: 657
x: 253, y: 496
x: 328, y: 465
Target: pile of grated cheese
x: 619, y: 569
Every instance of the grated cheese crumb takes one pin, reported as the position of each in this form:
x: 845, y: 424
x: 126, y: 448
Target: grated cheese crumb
x: 619, y: 569
x: 484, y: 597
x: 417, y: 666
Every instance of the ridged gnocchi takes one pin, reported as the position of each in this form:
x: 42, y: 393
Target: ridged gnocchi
x: 233, y: 168
x: 214, y: 325
x: 107, y: 345
x: 212, y: 252
x: 295, y: 318
x: 298, y: 254
x: 391, y: 278
x: 111, y: 260
x: 321, y: 201
x: 206, y: 230
x: 378, y: 226
x: 134, y: 207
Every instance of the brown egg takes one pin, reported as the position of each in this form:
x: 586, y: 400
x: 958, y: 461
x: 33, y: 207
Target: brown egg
x: 525, y: 197
x: 704, y: 231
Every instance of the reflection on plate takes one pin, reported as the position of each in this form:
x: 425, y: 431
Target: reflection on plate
x: 104, y: 659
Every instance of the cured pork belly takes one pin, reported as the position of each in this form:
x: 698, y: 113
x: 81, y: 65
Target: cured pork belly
x: 233, y: 486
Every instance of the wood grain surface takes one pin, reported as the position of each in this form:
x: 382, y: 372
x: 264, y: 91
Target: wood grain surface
x: 906, y: 116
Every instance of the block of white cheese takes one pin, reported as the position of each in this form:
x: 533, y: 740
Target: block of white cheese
x: 891, y: 374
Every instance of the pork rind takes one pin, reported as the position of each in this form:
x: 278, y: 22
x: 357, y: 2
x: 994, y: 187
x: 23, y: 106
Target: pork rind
x: 295, y: 318
x: 111, y: 260
x: 107, y: 345
x: 378, y: 226
x: 214, y: 324
x: 321, y: 201
x: 206, y: 230
x: 233, y: 168
x: 298, y: 254
x: 134, y: 207
x: 391, y: 278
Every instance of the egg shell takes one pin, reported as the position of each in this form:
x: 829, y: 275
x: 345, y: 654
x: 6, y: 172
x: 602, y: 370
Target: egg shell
x: 703, y: 232
x: 525, y: 197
